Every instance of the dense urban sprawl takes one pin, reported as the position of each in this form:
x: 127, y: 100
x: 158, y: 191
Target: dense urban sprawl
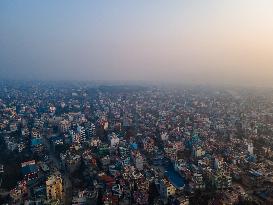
x: 82, y: 143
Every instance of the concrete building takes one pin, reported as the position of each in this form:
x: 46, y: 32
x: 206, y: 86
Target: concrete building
x: 114, y: 140
x: 148, y: 144
x: 64, y: 126
x: 198, y: 182
x: 198, y: 152
x: 139, y: 161
x: 250, y: 148
x: 166, y: 188
x: 54, y: 187
x: 90, y: 129
x: 222, y: 180
x: 81, y: 131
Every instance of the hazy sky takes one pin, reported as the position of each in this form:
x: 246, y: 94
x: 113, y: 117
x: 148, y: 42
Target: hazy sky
x: 202, y: 41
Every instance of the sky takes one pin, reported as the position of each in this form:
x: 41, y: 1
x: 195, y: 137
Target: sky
x: 200, y: 42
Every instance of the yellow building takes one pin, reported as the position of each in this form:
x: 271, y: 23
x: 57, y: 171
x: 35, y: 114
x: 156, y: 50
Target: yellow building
x: 54, y: 187
x: 198, y: 152
x: 166, y: 188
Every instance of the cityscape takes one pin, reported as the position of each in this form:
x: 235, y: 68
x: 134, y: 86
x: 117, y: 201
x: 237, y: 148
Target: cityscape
x: 136, y: 102
x: 110, y: 144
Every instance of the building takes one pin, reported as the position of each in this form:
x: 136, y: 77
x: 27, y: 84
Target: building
x: 114, y: 140
x: 13, y: 127
x: 166, y: 188
x: 222, y: 180
x: 218, y: 163
x: 95, y: 142
x: 148, y: 144
x: 179, y: 165
x: 35, y: 133
x: 64, y: 126
x: 182, y: 200
x: 171, y: 153
x: 90, y: 129
x: 164, y: 136
x: 197, y: 181
x: 54, y: 187
x: 81, y: 132
x: 70, y: 161
x: 198, y: 152
x: 139, y: 161
x: 29, y: 170
x: 19, y: 192
x: 104, y: 123
x: 36, y: 144
x: 250, y: 148
x: 25, y: 132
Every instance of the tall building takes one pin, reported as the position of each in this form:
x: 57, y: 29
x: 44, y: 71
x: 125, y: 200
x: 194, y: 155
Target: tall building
x: 54, y: 187
x: 250, y: 148
x: 81, y: 132
x: 90, y: 129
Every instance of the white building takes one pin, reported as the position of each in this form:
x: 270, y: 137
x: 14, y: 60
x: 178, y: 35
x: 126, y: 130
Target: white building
x: 139, y: 162
x: 250, y: 148
x: 114, y: 140
x: 81, y: 131
x: 164, y: 136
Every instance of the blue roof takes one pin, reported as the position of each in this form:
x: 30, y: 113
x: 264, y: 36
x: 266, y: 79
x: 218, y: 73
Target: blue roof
x: 134, y: 145
x: 56, y: 138
x: 36, y: 141
x: 29, y: 169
